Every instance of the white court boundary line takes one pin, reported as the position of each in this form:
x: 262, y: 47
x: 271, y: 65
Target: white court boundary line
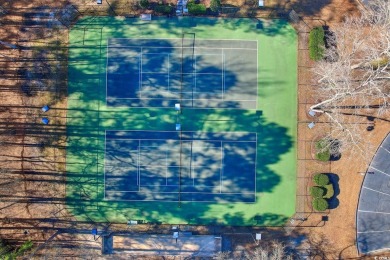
x: 220, y: 168
x: 174, y: 192
x: 184, y: 99
x: 375, y: 212
x: 104, y: 167
x: 166, y: 131
x: 377, y: 191
x: 206, y: 48
x: 160, y: 89
x: 183, y: 141
x: 190, y: 166
x: 145, y: 38
x: 223, y: 69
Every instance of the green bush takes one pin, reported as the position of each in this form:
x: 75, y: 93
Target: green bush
x: 8, y: 253
x: 321, y: 179
x: 163, y: 9
x: 317, y: 192
x: 329, y: 191
x: 322, y: 151
x: 144, y: 4
x: 316, y: 43
x: 215, y: 5
x: 196, y: 8
x: 320, y: 204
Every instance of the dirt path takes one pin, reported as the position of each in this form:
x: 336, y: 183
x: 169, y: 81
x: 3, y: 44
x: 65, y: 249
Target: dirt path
x: 339, y: 231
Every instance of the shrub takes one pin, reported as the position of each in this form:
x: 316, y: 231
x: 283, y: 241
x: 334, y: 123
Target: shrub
x: 144, y: 3
x: 323, y: 152
x: 320, y: 204
x: 317, y: 192
x: 215, y: 5
x: 9, y: 253
x: 164, y: 9
x: 316, y: 43
x: 329, y: 191
x: 321, y: 179
x: 196, y: 8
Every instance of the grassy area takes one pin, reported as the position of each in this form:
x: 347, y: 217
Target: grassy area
x: 274, y: 121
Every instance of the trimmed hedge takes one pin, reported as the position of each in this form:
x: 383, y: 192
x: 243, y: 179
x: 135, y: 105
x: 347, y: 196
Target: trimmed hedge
x: 317, y: 43
x: 196, y: 8
x: 322, y: 153
x: 317, y: 192
x: 163, y: 9
x: 320, y: 204
x: 321, y: 179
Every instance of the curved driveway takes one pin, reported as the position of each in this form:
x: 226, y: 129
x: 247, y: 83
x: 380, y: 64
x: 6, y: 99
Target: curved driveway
x: 373, y: 215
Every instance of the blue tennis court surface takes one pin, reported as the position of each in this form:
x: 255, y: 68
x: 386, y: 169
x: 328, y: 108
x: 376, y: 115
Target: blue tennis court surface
x: 198, y: 73
x: 186, y: 166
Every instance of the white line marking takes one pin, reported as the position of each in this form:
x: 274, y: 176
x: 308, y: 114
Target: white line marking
x: 223, y: 74
x: 201, y: 108
x: 385, y: 148
x: 166, y: 167
x: 379, y: 170
x: 163, y: 131
x: 107, y: 73
x: 221, y: 170
x: 199, y: 40
x: 206, y: 48
x: 138, y: 168
x: 210, y: 140
x: 197, y: 192
x: 377, y: 191
x: 105, y: 152
x: 168, y: 72
x: 375, y: 212
x: 257, y: 74
x: 256, y: 166
x: 167, y: 98
x: 373, y: 231
x: 163, y: 166
x: 140, y: 75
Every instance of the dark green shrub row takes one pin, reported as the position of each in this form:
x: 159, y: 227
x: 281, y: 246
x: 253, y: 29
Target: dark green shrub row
x: 317, y: 192
x: 163, y: 9
x: 320, y: 204
x: 320, y: 193
x: 321, y: 179
x: 196, y: 8
x: 316, y: 43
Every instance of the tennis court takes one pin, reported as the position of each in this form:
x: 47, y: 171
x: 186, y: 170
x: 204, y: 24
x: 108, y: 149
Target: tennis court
x: 180, y: 166
x: 197, y: 72
x: 225, y: 155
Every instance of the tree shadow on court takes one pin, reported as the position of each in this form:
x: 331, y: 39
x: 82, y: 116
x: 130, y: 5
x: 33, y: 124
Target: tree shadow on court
x: 89, y: 117
x: 273, y: 143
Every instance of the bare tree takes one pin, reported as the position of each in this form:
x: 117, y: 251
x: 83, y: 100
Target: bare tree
x: 275, y: 251
x: 352, y: 83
